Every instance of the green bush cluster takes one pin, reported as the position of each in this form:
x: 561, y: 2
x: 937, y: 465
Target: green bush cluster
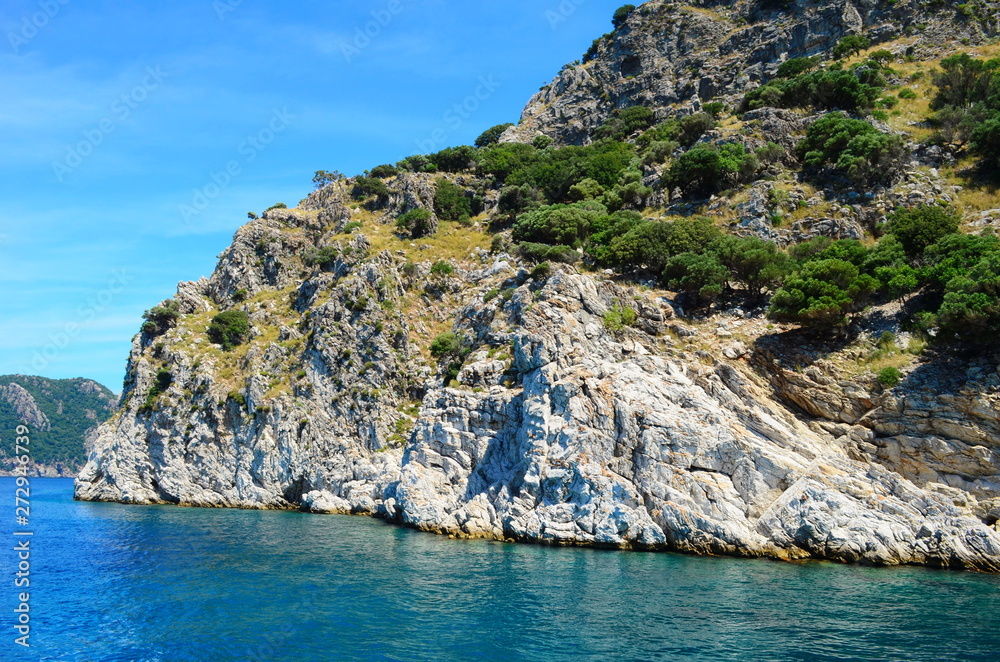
x: 322, y: 257
x: 446, y: 344
x: 967, y: 105
x: 492, y: 135
x: 855, y: 90
x: 704, y: 169
x: 621, y: 15
x: 625, y: 122
x: 865, y: 154
x: 371, y: 187
x: 160, y: 319
x: 229, y: 329
x: 851, y: 44
x: 450, y: 202
x: 416, y: 222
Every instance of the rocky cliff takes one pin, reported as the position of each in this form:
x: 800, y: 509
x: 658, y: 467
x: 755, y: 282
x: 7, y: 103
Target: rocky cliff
x: 445, y: 384
x: 673, y: 56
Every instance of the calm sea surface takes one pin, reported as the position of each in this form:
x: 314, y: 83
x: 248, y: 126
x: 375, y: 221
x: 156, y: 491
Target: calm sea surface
x: 112, y: 582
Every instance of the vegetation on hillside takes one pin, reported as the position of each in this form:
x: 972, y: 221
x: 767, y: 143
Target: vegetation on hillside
x: 72, y: 407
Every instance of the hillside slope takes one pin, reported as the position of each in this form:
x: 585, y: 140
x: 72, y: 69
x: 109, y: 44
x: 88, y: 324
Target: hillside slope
x: 62, y: 415
x: 573, y: 345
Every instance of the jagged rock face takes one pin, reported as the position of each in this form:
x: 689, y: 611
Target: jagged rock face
x: 25, y: 406
x: 672, y: 56
x: 580, y: 436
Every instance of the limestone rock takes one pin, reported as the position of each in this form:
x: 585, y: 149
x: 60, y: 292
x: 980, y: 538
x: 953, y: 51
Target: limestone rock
x: 25, y: 406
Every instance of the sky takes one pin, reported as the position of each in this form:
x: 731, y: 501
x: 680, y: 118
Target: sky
x: 135, y: 137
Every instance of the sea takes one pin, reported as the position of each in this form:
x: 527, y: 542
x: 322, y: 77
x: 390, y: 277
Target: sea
x: 168, y: 584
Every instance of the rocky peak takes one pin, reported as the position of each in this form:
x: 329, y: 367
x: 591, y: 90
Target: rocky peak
x: 673, y: 56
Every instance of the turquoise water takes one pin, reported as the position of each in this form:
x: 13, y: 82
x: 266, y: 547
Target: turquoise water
x: 112, y: 582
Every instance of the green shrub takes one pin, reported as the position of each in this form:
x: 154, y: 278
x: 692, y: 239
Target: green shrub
x: 963, y: 81
x: 541, y: 271
x: 545, y: 253
x: 888, y: 262
x: 770, y: 153
x: 371, y: 187
x: 919, y: 227
x: 822, y: 294
x: 240, y: 295
x: 588, y: 189
x: 455, y: 159
x: 416, y: 222
x: 621, y: 15
x: 985, y: 140
x: 567, y: 225
x: 889, y: 377
x: 351, y: 227
x: 541, y: 141
x: 229, y: 329
x: 953, y: 256
x: 384, y: 171
x: 277, y: 205
x: 442, y: 268
x: 855, y: 147
x: 618, y: 317
x: 446, y: 344
x: 492, y: 135
x: 685, y: 131
x: 796, y: 66
x: 626, y: 122
x: 971, y: 306
x: 415, y: 163
x: 649, y: 244
x: 851, y: 44
x: 714, y: 108
x: 160, y: 319
x: 323, y: 178
x: 450, y: 202
x: 490, y: 295
x: 162, y: 382
x: 854, y: 90
x: 702, y: 170
x: 700, y: 276
x: 756, y: 264
x: 907, y: 93
x: 323, y: 257
x: 595, y: 46
x: 515, y: 200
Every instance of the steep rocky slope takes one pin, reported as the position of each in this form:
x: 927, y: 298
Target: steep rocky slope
x: 570, y: 405
x: 674, y: 56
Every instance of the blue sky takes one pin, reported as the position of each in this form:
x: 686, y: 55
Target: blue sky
x: 119, y: 120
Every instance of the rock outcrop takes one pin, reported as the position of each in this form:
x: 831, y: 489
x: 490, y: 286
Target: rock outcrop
x: 25, y: 406
x: 436, y: 384
x: 672, y: 56
x: 561, y: 431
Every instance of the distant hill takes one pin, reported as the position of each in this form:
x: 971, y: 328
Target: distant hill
x: 61, y: 414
